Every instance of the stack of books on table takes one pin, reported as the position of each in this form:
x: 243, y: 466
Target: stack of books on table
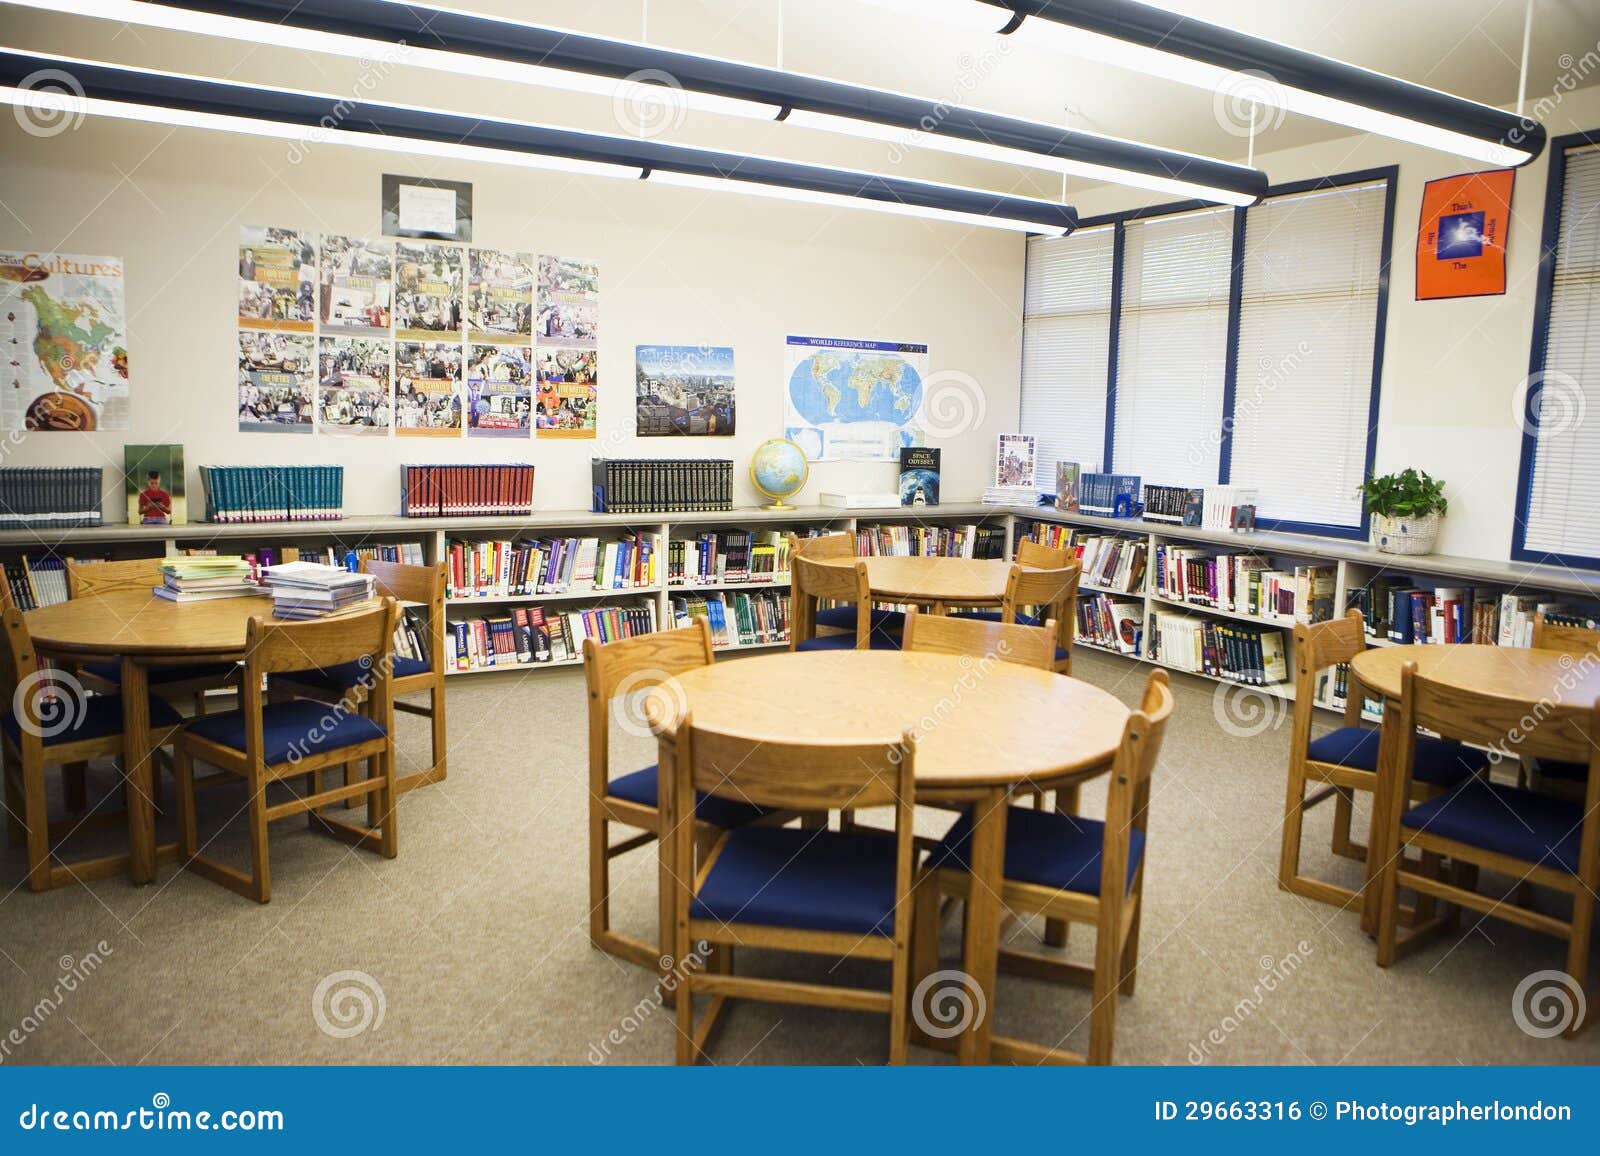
x: 202, y: 579
x: 302, y: 590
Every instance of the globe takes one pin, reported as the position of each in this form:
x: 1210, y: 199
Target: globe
x: 778, y: 468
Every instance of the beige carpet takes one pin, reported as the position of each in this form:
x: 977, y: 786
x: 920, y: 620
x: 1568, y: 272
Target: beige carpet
x: 473, y: 943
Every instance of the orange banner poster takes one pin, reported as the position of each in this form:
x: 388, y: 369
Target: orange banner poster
x: 1461, y: 242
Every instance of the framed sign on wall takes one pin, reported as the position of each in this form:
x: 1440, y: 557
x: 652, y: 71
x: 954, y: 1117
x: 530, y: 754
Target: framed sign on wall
x: 425, y: 207
x: 1461, y: 240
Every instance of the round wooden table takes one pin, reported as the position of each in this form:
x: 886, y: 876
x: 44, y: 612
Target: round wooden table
x: 143, y: 630
x: 934, y: 582
x: 983, y: 730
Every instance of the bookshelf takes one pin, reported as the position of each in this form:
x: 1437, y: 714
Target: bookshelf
x: 1354, y: 563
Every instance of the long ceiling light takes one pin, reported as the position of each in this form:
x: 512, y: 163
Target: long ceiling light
x: 1238, y: 67
x: 439, y: 38
x: 87, y: 87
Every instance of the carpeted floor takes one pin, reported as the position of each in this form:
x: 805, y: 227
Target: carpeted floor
x: 472, y: 947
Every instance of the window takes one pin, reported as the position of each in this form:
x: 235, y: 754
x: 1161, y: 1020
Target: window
x: 1172, y: 347
x: 1559, y: 497
x: 1066, y: 345
x: 1310, y: 293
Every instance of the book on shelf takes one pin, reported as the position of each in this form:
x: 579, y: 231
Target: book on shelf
x: 235, y: 494
x: 661, y: 485
x: 1230, y: 508
x: 1067, y: 477
x: 1398, y: 609
x: 1165, y: 503
x: 1244, y: 584
x: 1111, y: 623
x: 728, y: 556
x: 446, y: 491
x: 1235, y: 651
x: 304, y: 590
x: 918, y: 541
x: 153, y: 484
x: 35, y: 581
x: 1109, y: 561
x: 532, y: 566
x: 1108, y: 495
x: 538, y: 635
x: 919, y: 476
x: 49, y: 497
x: 739, y: 618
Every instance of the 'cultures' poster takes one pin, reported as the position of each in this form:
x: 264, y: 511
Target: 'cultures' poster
x: 66, y: 345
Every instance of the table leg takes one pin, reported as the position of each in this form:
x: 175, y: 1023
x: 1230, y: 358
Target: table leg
x: 1377, y: 832
x: 138, y: 763
x: 981, y: 946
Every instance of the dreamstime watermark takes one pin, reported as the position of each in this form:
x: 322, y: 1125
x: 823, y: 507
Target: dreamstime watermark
x: 345, y: 1004
x: 1575, y: 70
x: 373, y: 70
x: 1575, y: 670
x: 1272, y: 373
x: 1548, y: 1003
x: 645, y: 700
x: 52, y: 102
x: 74, y: 971
x: 947, y: 1003
x: 971, y: 72
x: 1274, y: 974
x: 974, y: 671
x: 160, y: 1116
x: 649, y: 103
x: 673, y: 972
x: 1248, y: 103
x: 49, y: 702
x: 1245, y: 711
x: 1549, y: 403
x: 348, y: 704
x: 953, y: 403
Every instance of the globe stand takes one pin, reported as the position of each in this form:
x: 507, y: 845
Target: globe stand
x: 778, y: 506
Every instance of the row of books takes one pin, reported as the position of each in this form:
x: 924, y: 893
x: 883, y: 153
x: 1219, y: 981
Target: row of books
x: 970, y: 541
x: 1239, y: 652
x: 1395, y: 608
x: 534, y: 635
x: 480, y: 569
x: 728, y: 556
x: 742, y: 618
x: 661, y: 485
x: 1110, y: 495
x: 1111, y: 562
x: 272, y: 493
x: 35, y: 582
x: 49, y: 497
x: 330, y: 554
x: 1111, y: 623
x: 1168, y: 503
x: 1245, y: 584
x: 466, y: 491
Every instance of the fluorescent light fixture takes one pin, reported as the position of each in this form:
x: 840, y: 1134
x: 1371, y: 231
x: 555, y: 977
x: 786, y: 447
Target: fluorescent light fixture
x: 1246, y: 69
x: 389, y: 33
x: 82, y: 87
x: 971, y: 14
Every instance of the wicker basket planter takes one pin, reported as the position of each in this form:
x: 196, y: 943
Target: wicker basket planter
x: 1405, y: 535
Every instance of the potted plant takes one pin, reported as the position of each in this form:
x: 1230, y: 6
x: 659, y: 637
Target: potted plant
x: 1406, y: 509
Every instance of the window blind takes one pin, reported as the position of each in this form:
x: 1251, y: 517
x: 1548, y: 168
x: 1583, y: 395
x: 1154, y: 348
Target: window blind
x: 1563, y: 514
x: 1308, y: 326
x: 1066, y: 347
x: 1171, y: 350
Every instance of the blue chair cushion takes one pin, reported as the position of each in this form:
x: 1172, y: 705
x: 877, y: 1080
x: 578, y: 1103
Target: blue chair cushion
x: 1532, y: 827
x: 812, y: 880
x: 1043, y: 847
x: 348, y: 674
x: 844, y: 618
x: 95, y: 716
x: 112, y: 671
x: 643, y: 788
x: 877, y: 640
x: 291, y: 730
x: 1439, y: 762
x: 1566, y: 772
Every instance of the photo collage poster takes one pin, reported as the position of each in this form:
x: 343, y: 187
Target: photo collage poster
x: 359, y: 337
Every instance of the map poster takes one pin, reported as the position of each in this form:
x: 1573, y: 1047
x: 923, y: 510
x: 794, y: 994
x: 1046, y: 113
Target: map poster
x: 275, y: 382
x: 62, y: 323
x: 684, y: 390
x: 427, y: 401
x: 354, y: 390
x: 569, y: 302
x: 847, y: 400
x: 355, y: 286
x: 500, y: 391
x: 500, y: 296
x: 568, y: 380
x: 427, y: 292
x: 277, y: 280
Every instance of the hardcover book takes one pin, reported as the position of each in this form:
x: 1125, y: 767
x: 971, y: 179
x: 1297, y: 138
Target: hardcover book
x: 153, y: 482
x: 1067, y: 474
x: 919, y: 476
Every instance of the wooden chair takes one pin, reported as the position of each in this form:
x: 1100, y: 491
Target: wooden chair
x: 186, y: 681
x: 264, y: 743
x: 1042, y: 577
x: 59, y: 726
x: 977, y: 639
x: 626, y: 667
x: 843, y: 894
x: 1068, y: 868
x: 1346, y: 760
x: 421, y: 585
x: 1558, y: 776
x: 1531, y: 837
x: 839, y: 617
x: 810, y: 582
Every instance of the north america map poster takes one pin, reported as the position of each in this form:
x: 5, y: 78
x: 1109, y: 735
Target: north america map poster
x: 849, y: 400
x: 62, y: 324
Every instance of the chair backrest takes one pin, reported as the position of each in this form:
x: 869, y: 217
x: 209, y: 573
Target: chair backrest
x: 1055, y: 588
x: 810, y: 580
x: 424, y: 585
x: 1508, y: 727
x: 630, y: 666
x: 86, y: 578
x: 365, y: 636
x: 42, y: 702
x: 978, y: 638
x: 1128, y: 795
x: 1573, y: 640
x: 1031, y: 553
x: 822, y: 546
x: 1317, y: 646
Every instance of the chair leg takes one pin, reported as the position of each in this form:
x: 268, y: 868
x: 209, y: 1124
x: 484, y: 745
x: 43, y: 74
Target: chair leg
x: 260, y: 867
x: 1293, y: 813
x: 436, y: 723
x: 1343, y: 814
x: 16, y: 829
x: 188, y: 839
x: 925, y: 926
x: 1578, y: 951
x: 667, y: 920
x: 349, y: 777
x: 899, y: 1004
x: 1388, y: 904
x: 1107, y: 980
x: 1130, y: 950
x: 599, y: 875
x: 36, y: 817
x: 75, y: 787
x: 389, y: 840
x: 375, y: 808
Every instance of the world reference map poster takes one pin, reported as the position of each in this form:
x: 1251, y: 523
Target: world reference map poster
x: 847, y: 400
